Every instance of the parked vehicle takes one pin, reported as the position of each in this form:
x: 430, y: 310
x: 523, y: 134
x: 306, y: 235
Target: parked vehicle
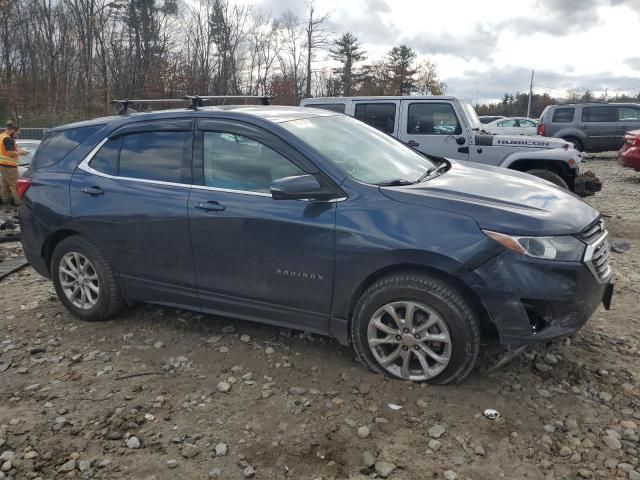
x: 24, y: 161
x: 591, y: 127
x: 490, y: 118
x: 513, y: 126
x: 308, y: 219
x: 450, y: 128
x: 629, y: 154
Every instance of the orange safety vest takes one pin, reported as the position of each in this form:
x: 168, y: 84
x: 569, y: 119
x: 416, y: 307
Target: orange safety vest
x: 5, y: 159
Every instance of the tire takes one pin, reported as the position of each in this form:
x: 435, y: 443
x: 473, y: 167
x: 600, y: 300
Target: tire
x: 96, y: 272
x: 432, y: 300
x: 549, y: 176
x: 576, y: 142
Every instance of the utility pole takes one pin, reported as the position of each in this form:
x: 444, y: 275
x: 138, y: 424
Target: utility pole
x: 530, y: 94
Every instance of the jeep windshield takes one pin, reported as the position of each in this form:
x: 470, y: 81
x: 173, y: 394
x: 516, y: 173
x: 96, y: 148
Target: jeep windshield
x: 365, y: 153
x: 472, y: 116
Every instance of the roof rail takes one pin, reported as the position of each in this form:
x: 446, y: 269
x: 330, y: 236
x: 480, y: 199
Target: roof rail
x: 195, y: 101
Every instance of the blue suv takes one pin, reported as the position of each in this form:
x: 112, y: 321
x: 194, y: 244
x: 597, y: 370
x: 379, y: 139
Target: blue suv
x: 313, y: 220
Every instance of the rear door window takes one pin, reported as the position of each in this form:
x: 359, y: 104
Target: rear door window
x: 106, y: 159
x: 599, y: 114
x: 432, y: 119
x: 58, y: 144
x: 379, y: 115
x: 334, y: 107
x: 563, y: 115
x: 153, y: 156
x: 628, y: 114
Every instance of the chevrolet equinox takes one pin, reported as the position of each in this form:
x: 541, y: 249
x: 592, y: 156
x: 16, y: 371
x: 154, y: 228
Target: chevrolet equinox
x: 313, y: 220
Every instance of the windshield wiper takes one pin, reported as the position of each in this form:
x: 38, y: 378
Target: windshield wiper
x: 396, y: 182
x: 432, y: 171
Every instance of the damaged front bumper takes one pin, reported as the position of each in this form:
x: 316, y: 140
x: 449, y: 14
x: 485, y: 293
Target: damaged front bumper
x: 532, y: 301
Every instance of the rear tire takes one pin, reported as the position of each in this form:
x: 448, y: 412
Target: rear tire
x: 576, y: 142
x: 549, y: 176
x: 425, y: 322
x: 84, y: 280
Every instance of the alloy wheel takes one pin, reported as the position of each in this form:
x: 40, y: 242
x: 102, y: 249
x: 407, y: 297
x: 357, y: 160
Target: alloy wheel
x: 409, y: 340
x: 79, y: 280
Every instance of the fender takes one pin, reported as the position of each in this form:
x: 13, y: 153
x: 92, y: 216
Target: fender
x: 569, y: 156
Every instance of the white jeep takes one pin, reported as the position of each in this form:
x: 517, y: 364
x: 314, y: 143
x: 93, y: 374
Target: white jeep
x: 448, y: 127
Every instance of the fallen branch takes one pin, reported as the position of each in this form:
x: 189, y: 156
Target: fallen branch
x: 142, y: 374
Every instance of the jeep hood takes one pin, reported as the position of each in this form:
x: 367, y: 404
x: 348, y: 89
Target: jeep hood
x: 498, y: 199
x: 520, y: 141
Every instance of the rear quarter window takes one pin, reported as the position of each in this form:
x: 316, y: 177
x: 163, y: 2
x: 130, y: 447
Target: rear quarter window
x: 58, y: 144
x: 563, y: 115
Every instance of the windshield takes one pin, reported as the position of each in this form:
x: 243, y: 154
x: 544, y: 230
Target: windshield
x: 365, y: 153
x: 472, y: 116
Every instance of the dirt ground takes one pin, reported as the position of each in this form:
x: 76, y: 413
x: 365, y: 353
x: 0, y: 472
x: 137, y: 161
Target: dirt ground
x: 160, y: 394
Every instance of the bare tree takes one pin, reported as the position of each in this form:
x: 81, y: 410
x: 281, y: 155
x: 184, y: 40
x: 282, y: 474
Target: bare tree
x: 317, y: 37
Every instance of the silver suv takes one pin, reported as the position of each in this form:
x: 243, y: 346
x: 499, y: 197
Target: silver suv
x: 591, y: 127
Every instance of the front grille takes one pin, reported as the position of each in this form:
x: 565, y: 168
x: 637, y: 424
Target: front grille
x: 598, y: 250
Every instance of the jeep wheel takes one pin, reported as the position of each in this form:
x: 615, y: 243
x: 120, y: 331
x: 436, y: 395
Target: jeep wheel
x: 549, y: 176
x: 416, y: 327
x: 577, y: 143
x: 84, y: 281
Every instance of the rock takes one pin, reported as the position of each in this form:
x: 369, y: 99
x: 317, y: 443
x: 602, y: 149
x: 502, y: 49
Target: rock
x: 189, y: 450
x: 364, y: 388
x: 223, y: 387
x: 437, y: 431
x: 550, y: 359
x: 297, y: 390
x: 245, y: 338
x: 221, y: 449
x: 564, y: 451
x: 133, y: 442
x: 605, y: 397
x: 435, y: 445
x: 384, y: 469
x: 249, y: 471
x: 585, y: 473
x: 612, y: 442
x: 32, y: 388
x: 269, y: 351
x: 67, y: 467
x: 420, y: 403
x: 158, y: 345
x: 172, y: 463
x: 215, y: 473
x: 633, y: 475
x: 543, y: 367
x: 368, y: 459
x: 84, y: 465
x: 479, y: 450
x: 6, y: 466
x: 620, y: 246
x: 363, y: 432
x: 450, y: 475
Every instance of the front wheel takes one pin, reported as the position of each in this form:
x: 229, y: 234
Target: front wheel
x: 549, y: 176
x: 84, y: 281
x: 416, y: 327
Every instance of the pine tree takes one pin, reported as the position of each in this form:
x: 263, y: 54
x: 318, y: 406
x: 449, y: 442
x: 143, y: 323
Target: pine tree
x: 401, y: 70
x: 347, y: 51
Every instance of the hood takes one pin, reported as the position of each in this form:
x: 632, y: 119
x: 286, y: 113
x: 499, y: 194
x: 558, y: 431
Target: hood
x: 521, y: 141
x: 501, y: 200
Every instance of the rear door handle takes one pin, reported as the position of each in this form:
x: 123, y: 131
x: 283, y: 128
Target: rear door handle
x: 93, y: 191
x: 413, y: 143
x: 210, y: 206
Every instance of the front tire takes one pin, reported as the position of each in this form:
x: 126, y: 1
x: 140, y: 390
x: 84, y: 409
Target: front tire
x: 416, y: 327
x: 84, y: 280
x: 549, y: 176
x: 576, y: 143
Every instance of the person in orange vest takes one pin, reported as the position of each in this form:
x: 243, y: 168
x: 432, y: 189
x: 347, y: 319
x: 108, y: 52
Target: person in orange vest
x: 9, y: 153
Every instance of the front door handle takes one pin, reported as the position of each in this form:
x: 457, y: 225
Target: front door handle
x: 210, y: 206
x: 413, y: 143
x: 93, y: 191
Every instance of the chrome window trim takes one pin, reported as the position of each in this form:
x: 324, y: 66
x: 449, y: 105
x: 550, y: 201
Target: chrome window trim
x: 84, y: 165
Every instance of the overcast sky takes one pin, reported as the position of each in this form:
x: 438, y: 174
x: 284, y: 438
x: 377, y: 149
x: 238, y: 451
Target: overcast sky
x: 487, y: 48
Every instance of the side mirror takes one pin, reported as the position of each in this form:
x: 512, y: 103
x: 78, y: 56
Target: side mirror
x: 300, y: 187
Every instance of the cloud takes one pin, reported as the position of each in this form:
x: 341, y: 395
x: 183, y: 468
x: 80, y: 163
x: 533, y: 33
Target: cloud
x: 374, y: 28
x: 633, y: 62
x: 479, y: 44
x: 495, y: 82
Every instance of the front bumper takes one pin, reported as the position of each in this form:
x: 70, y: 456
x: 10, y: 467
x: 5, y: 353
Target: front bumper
x: 532, y: 301
x: 629, y: 157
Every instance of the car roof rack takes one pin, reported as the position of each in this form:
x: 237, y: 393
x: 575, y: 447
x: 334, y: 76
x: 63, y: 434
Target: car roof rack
x: 195, y: 101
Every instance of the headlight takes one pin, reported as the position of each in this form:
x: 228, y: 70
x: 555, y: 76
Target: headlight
x: 565, y: 248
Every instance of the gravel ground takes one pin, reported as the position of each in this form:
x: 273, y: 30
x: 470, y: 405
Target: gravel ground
x: 158, y: 393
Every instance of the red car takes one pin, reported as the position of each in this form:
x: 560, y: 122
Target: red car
x: 629, y: 154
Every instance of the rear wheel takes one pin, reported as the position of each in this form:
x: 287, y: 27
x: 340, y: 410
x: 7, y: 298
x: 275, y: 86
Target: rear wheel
x: 416, y: 327
x: 84, y: 281
x: 576, y: 142
x: 549, y: 176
